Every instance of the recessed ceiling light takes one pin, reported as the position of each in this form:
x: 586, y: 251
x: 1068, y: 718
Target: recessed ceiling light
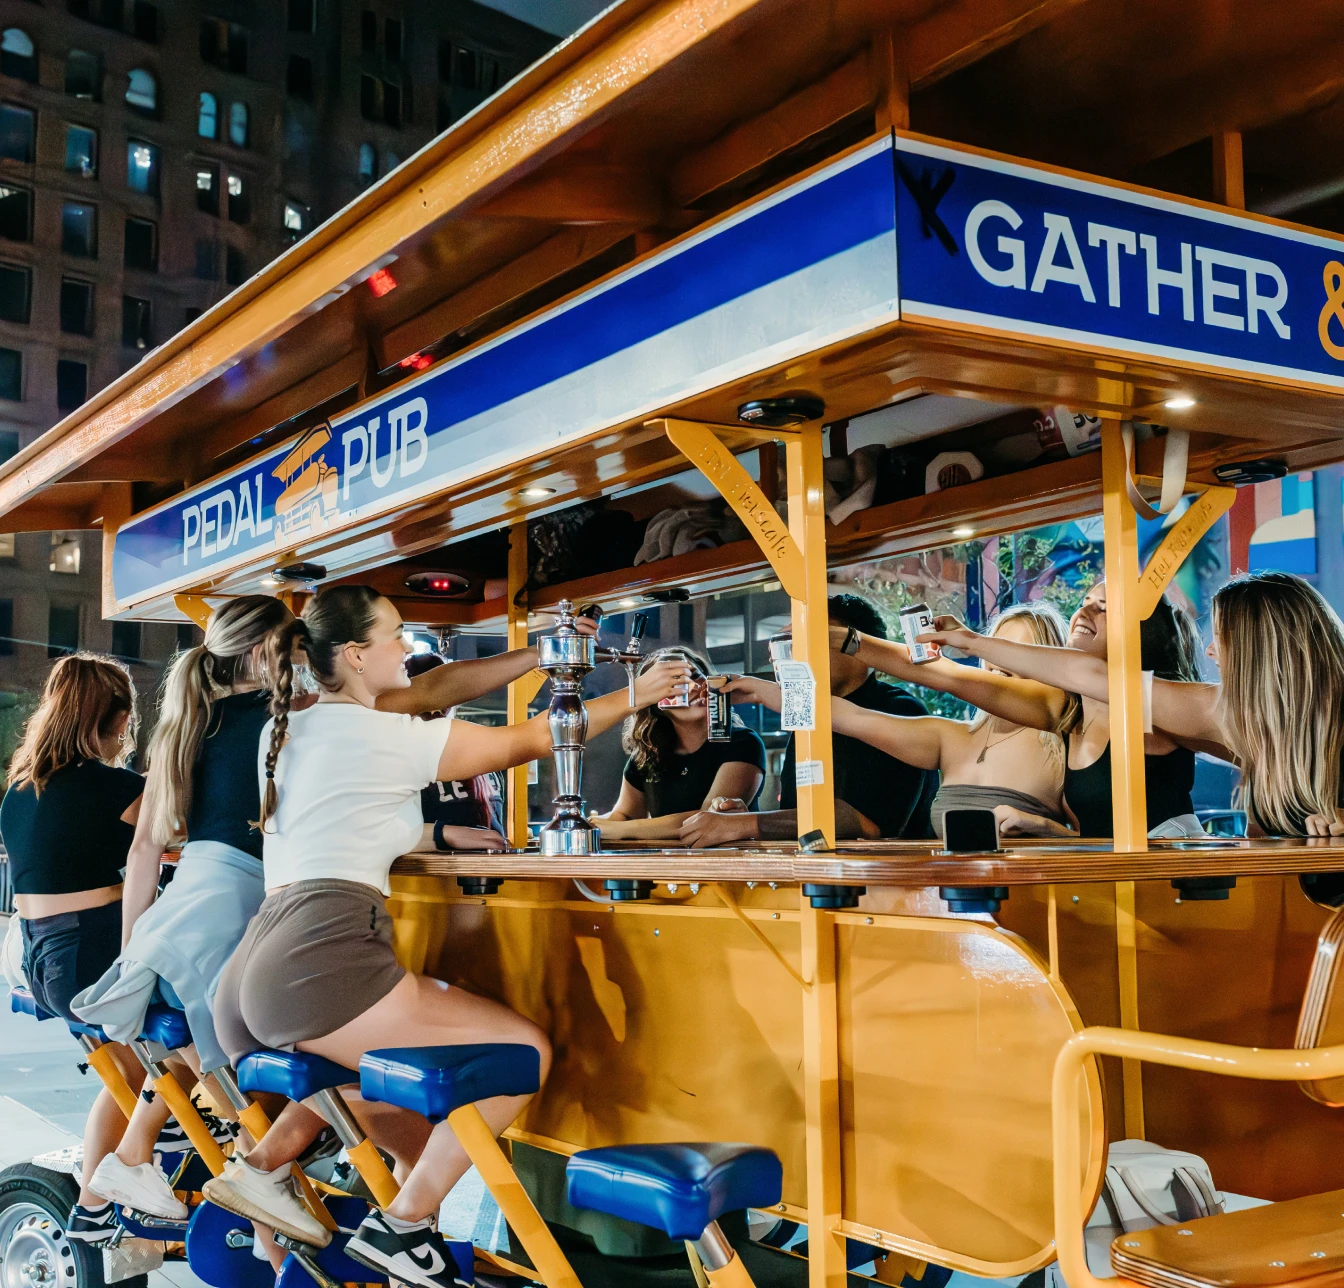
x: 962, y: 532
x: 1180, y: 403
x: 537, y: 491
x: 629, y: 603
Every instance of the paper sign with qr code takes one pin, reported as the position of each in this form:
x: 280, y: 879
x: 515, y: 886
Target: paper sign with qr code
x: 798, y: 710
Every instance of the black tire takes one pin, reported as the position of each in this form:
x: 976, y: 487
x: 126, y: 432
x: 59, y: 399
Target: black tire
x: 34, y: 1206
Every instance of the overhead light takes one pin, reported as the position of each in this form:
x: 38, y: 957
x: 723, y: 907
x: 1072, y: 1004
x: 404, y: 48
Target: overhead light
x: 783, y: 412
x: 437, y: 583
x: 268, y: 580
x: 1179, y: 403
x: 537, y: 491
x: 381, y: 282
x: 299, y: 572
x: 629, y: 603
x: 962, y: 532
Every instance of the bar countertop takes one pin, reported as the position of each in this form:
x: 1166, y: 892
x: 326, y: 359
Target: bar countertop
x: 901, y: 863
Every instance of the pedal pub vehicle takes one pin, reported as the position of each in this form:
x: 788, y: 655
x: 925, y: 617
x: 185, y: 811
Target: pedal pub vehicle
x: 702, y: 235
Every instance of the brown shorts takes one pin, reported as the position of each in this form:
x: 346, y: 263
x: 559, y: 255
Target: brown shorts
x: 317, y: 955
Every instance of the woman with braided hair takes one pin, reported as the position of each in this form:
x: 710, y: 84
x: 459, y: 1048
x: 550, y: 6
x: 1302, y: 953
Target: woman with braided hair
x: 340, y: 802
x: 203, y: 786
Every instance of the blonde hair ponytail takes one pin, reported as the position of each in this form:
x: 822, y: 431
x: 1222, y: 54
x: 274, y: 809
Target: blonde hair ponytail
x: 197, y: 679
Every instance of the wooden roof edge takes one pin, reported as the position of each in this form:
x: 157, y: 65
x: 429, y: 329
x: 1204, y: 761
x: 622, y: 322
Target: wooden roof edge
x: 436, y: 153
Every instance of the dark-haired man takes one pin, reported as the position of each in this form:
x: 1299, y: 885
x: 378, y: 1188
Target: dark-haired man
x: 876, y: 795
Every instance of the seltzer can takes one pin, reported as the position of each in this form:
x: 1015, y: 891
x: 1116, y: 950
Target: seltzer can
x: 916, y: 620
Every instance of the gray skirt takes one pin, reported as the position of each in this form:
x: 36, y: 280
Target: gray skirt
x: 317, y: 955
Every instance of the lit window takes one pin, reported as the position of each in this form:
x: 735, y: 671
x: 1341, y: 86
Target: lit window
x: 207, y: 188
x: 64, y: 553
x: 239, y: 208
x: 142, y: 167
x: 207, y: 126
x: 368, y: 163
x: 238, y: 124
x: 17, y: 126
x: 294, y: 218
x: 18, y: 57
x: 81, y: 151
x: 142, y: 91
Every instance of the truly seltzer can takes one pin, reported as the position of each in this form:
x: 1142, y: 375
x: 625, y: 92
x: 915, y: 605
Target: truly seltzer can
x: 916, y: 620
x: 718, y: 709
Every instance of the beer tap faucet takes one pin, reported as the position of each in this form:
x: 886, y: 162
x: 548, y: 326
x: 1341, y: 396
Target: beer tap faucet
x: 566, y: 656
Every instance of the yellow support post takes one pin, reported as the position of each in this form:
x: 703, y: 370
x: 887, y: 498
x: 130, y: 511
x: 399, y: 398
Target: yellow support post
x: 821, y: 1099
x: 180, y: 1106
x: 476, y: 1138
x: 520, y: 690
x: 368, y: 1162
x: 1128, y: 789
x: 811, y: 631
x: 104, y: 1064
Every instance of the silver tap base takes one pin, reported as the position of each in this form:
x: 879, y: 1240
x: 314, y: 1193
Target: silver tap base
x: 570, y: 835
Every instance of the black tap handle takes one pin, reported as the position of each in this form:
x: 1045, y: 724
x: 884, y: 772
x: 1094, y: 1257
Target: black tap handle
x: 637, y: 630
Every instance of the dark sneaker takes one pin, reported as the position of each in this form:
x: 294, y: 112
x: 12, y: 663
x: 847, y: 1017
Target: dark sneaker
x: 416, y: 1256
x: 92, y: 1224
x: 173, y: 1140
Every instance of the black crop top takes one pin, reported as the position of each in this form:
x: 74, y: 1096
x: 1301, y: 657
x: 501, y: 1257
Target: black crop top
x: 225, y: 792
x: 1169, y: 779
x: 71, y: 837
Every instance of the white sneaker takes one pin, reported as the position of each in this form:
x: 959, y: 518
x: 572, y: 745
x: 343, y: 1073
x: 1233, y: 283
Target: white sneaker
x: 141, y: 1188
x: 270, y: 1198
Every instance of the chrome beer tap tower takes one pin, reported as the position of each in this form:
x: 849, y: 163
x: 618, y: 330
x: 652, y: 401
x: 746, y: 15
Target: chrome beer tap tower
x: 566, y: 657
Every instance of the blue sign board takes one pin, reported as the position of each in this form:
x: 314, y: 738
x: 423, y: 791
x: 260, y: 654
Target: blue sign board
x: 1006, y: 246
x: 789, y: 274
x: 971, y: 239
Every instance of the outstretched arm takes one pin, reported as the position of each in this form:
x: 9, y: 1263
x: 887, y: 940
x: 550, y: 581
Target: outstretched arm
x: 458, y: 682
x: 917, y: 740
x: 142, y: 869
x: 1182, y: 709
x: 478, y: 749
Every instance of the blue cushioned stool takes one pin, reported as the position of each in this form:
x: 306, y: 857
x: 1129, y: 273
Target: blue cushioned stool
x: 435, y: 1081
x: 681, y: 1189
x: 22, y: 1002
x: 445, y: 1082
x: 294, y: 1074
x: 167, y: 1026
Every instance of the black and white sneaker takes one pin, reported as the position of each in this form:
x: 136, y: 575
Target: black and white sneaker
x: 92, y: 1224
x: 173, y: 1140
x: 417, y: 1255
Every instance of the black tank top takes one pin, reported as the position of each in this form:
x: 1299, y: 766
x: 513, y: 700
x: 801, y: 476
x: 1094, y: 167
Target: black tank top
x: 1169, y: 781
x: 225, y: 791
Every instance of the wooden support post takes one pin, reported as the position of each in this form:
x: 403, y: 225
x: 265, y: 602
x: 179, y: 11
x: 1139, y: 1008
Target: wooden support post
x: 891, y: 82
x: 520, y: 690
x: 821, y: 1095
x: 811, y: 631
x: 1128, y: 789
x: 116, y: 510
x: 1229, y: 179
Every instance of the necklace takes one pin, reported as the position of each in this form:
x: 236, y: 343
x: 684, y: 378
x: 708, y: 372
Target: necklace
x: 980, y: 759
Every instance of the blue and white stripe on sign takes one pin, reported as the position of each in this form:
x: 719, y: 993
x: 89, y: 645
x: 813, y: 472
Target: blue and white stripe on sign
x: 808, y: 266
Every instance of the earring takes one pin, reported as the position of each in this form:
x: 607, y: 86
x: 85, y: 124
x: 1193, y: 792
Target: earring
x: 359, y: 670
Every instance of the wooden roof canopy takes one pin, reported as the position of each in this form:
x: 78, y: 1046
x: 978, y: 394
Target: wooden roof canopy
x: 654, y: 119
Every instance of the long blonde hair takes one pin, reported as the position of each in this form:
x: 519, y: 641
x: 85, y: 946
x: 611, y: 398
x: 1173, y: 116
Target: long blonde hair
x: 1281, y: 705
x: 649, y: 735
x: 198, y: 678
x: 1047, y: 626
x: 84, y: 697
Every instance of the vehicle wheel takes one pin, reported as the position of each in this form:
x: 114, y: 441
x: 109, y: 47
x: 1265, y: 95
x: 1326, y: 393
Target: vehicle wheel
x: 34, y: 1252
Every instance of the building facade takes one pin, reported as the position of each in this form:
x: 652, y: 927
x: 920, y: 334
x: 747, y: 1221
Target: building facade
x: 152, y: 157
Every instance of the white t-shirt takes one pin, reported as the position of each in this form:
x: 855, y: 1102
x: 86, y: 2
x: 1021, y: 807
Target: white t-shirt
x: 349, y: 781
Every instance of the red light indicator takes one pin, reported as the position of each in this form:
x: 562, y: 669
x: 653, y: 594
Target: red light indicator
x: 381, y: 282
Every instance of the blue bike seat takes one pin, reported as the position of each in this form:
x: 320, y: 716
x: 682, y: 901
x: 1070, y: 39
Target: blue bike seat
x: 295, y: 1074
x: 22, y: 1002
x: 436, y: 1080
x: 679, y: 1189
x: 167, y: 1026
